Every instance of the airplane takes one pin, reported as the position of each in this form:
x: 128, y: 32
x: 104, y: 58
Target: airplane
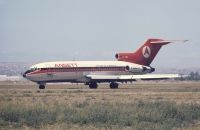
x: 128, y: 67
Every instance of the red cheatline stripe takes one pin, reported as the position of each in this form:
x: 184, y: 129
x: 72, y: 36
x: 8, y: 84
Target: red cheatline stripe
x: 77, y: 69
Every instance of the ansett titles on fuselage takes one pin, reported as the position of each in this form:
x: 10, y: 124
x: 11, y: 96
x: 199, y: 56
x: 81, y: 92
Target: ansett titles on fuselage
x: 69, y: 65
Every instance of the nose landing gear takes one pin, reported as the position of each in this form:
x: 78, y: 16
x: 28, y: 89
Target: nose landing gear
x: 41, y: 85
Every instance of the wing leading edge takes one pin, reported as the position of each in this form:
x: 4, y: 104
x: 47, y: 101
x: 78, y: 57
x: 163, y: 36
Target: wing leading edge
x: 124, y: 78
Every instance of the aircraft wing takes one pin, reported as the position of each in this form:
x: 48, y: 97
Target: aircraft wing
x: 124, y: 78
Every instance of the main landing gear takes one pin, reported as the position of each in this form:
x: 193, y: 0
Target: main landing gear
x: 41, y: 86
x: 94, y: 85
x: 114, y: 85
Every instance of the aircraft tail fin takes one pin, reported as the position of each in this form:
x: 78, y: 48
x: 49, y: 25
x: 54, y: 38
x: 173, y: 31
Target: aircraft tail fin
x: 146, y: 53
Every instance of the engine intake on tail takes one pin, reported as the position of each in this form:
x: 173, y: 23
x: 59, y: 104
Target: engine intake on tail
x: 123, y: 56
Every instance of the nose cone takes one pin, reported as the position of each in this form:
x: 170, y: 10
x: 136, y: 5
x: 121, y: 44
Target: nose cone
x: 24, y: 75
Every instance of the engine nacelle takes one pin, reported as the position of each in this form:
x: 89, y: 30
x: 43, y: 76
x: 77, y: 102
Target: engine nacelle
x: 123, y: 56
x: 148, y: 69
x: 133, y: 69
x: 142, y: 69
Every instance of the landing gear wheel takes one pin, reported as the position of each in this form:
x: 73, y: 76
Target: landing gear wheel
x: 41, y: 86
x: 93, y: 85
x: 114, y: 85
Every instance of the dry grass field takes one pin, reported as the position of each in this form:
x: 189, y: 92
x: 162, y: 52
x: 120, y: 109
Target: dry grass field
x: 141, y: 105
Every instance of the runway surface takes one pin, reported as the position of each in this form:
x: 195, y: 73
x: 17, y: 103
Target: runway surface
x: 179, y: 92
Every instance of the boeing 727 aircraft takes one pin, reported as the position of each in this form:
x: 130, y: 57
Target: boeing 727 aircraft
x: 128, y: 67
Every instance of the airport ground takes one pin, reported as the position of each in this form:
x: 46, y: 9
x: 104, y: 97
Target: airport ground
x: 140, y: 105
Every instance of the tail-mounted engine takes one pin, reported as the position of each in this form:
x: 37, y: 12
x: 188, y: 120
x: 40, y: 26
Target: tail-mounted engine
x: 124, y: 56
x: 142, y: 69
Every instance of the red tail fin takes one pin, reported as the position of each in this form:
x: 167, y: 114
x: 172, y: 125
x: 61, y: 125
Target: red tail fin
x: 145, y: 54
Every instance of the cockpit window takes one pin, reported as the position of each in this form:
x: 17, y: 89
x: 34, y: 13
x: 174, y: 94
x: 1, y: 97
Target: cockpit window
x: 34, y: 68
x: 31, y: 70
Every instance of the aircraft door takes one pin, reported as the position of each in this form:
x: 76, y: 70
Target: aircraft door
x: 50, y: 72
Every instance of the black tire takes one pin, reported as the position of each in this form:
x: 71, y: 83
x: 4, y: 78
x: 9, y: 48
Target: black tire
x: 114, y: 85
x: 41, y: 86
x: 93, y: 85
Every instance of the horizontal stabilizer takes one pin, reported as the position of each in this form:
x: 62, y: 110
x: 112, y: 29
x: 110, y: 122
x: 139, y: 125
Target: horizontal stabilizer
x: 167, y: 41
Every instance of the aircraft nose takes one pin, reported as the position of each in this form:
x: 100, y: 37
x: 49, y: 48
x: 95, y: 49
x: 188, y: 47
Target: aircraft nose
x: 24, y: 75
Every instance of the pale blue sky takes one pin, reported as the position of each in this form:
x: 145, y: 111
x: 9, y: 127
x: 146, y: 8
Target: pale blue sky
x: 49, y: 30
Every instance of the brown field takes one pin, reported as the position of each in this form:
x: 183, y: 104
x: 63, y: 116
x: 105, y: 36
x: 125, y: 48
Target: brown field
x: 28, y: 95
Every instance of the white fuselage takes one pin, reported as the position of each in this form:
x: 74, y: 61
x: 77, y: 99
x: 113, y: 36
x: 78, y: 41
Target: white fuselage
x: 75, y: 71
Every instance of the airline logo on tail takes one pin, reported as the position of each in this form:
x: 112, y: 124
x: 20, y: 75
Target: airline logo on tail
x: 146, y: 51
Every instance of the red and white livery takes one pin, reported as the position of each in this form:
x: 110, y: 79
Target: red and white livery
x: 128, y: 67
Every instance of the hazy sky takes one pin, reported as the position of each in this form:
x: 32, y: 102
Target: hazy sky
x: 49, y: 30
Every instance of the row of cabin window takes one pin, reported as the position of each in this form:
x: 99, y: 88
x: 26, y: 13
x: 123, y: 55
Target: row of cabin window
x: 85, y: 68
